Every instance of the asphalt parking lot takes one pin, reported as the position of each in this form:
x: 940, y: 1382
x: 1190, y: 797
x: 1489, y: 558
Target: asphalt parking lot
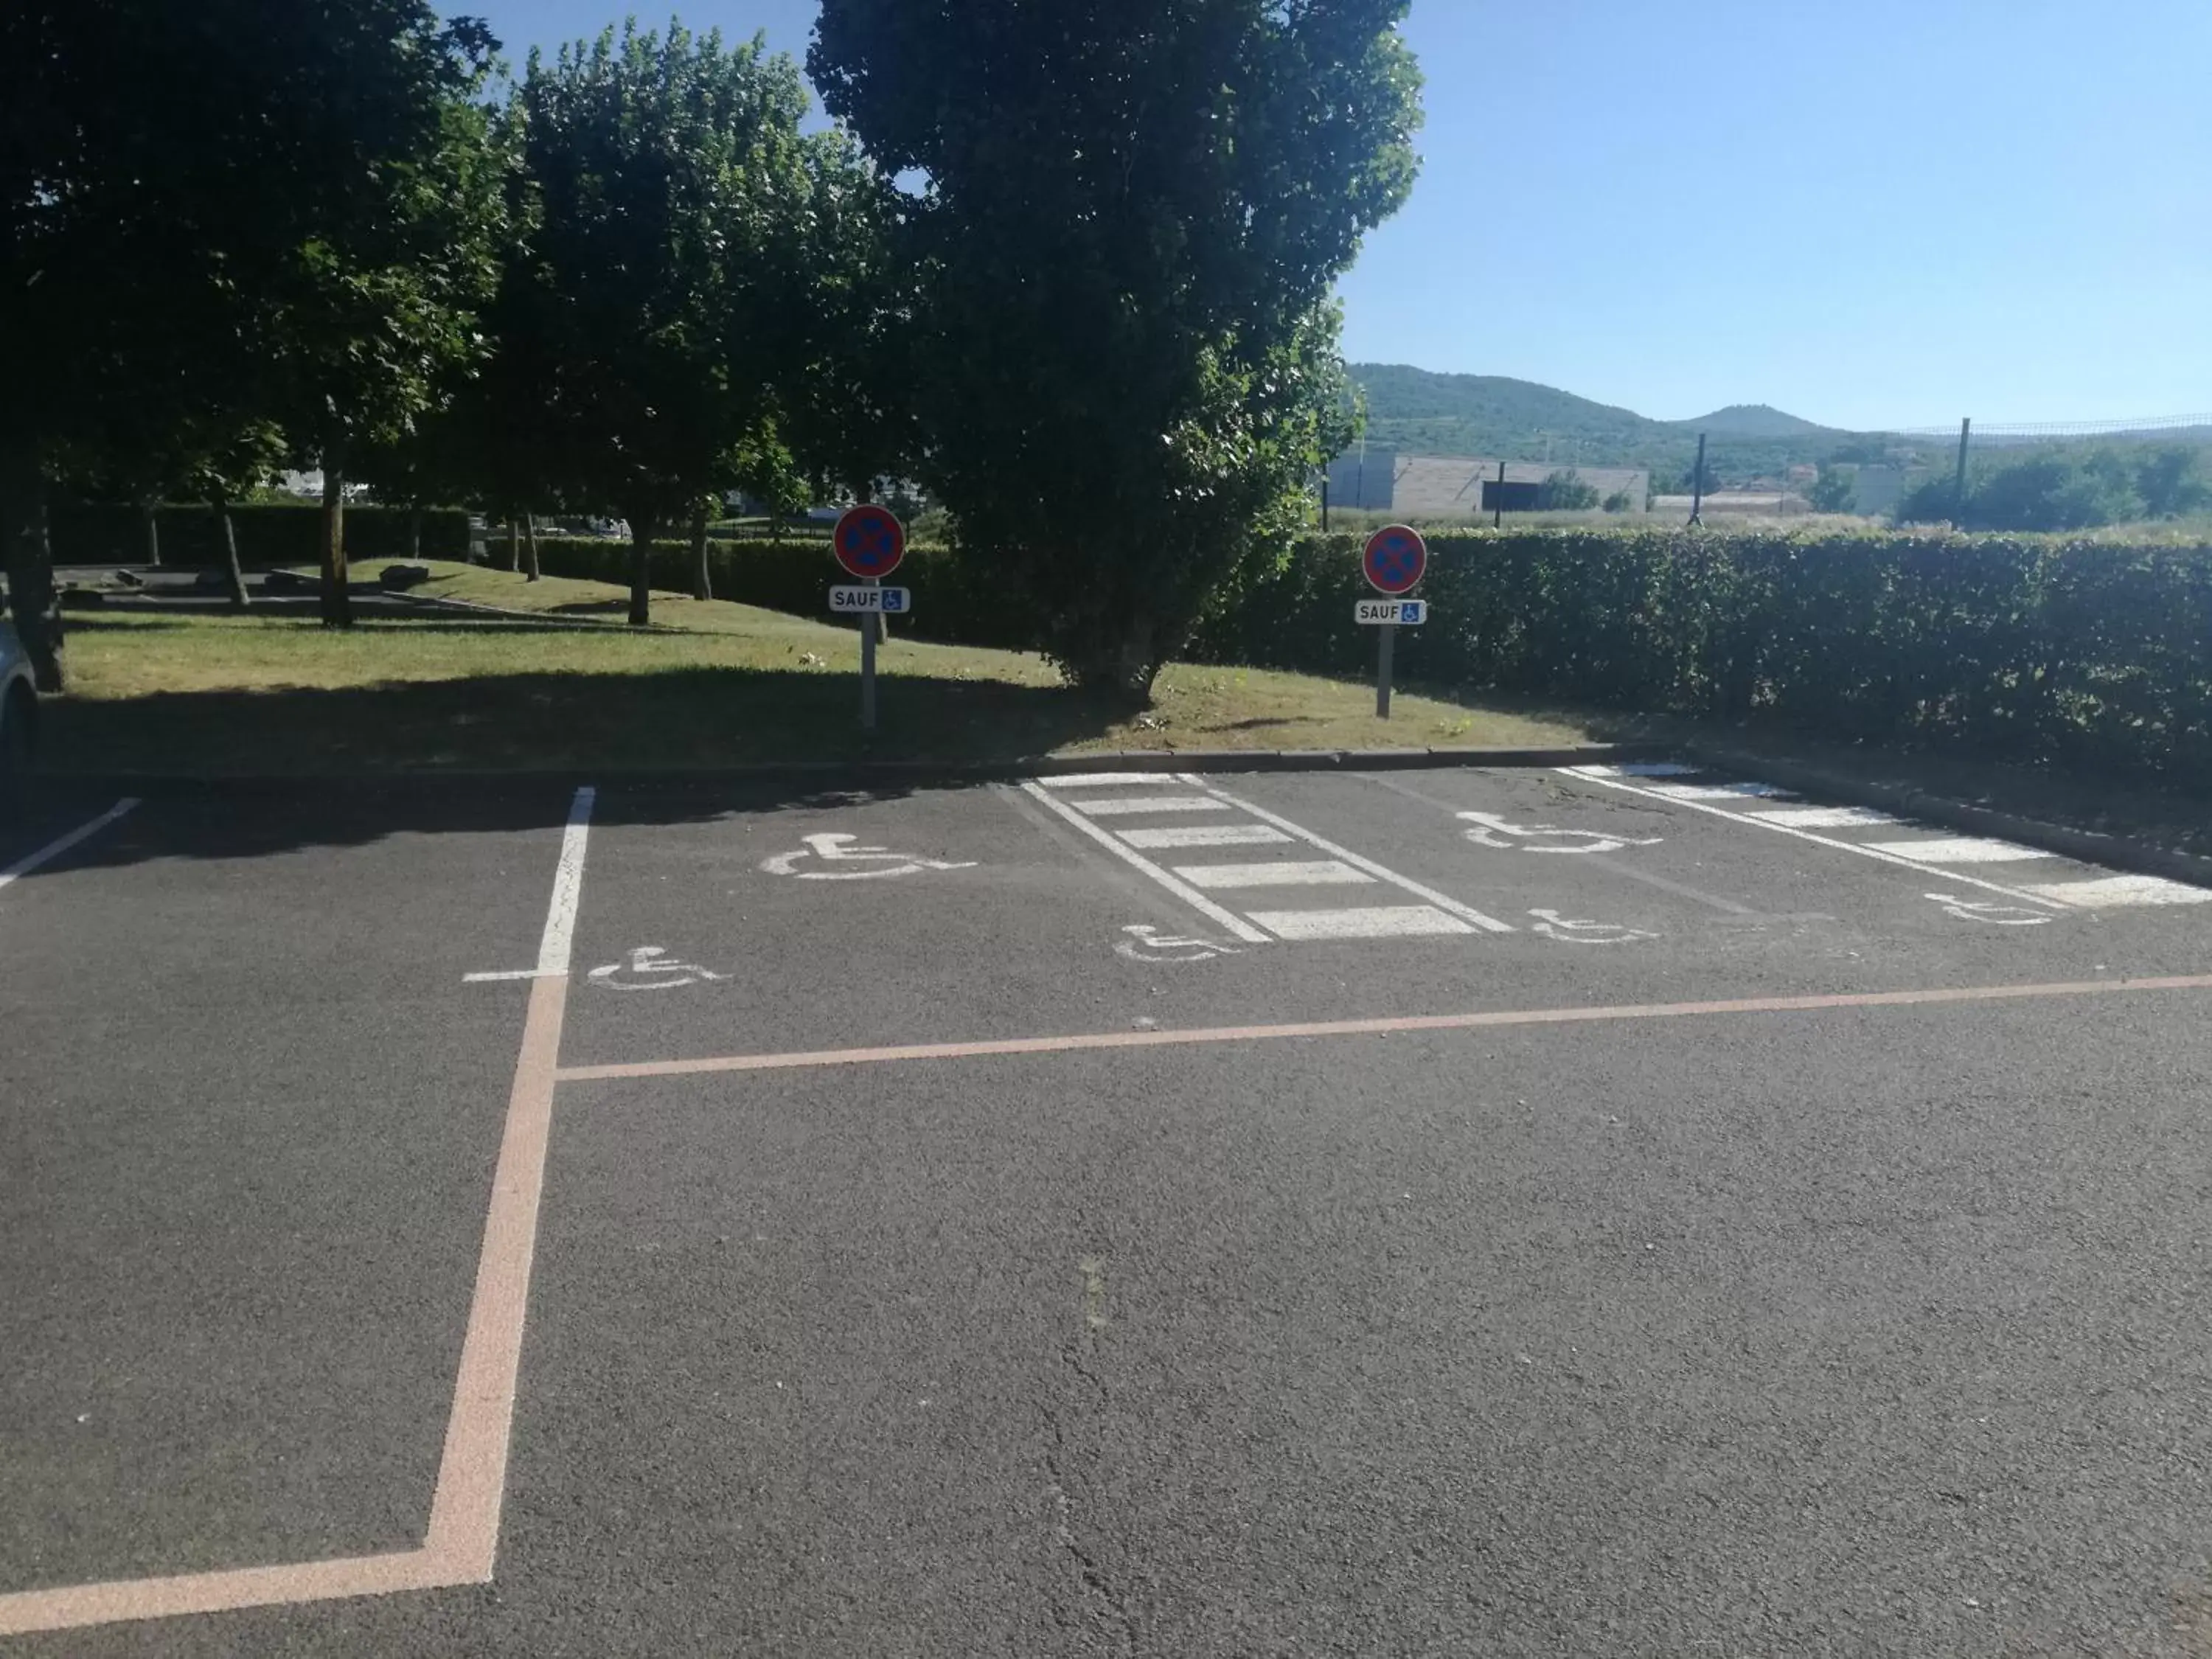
x: 1586, y: 1211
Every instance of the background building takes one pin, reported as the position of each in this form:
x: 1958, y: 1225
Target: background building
x: 1463, y: 486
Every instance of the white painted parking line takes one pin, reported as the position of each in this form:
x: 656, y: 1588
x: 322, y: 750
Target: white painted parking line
x: 54, y: 849
x: 1765, y: 820
x: 1237, y: 926
x: 1823, y: 818
x: 1723, y: 792
x: 1127, y: 806
x: 1958, y: 849
x: 1328, y: 872
x: 1206, y: 835
x: 1450, y: 906
x: 2120, y: 892
x: 1388, y: 922
x: 1104, y: 780
x: 1649, y: 769
x: 568, y: 885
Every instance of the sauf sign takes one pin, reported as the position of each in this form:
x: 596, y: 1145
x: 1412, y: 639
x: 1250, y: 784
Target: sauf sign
x: 869, y: 542
x: 1395, y: 560
x: 1400, y: 613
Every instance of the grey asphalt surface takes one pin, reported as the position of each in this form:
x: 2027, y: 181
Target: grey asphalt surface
x: 1861, y: 1331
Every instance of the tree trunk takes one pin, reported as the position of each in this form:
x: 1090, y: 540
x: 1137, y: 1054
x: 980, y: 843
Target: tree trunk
x: 514, y: 541
x: 338, y: 594
x: 150, y: 513
x: 640, y: 570
x: 30, y: 561
x: 414, y: 531
x: 702, y: 579
x: 233, y: 573
x: 530, y: 547
x: 1122, y: 666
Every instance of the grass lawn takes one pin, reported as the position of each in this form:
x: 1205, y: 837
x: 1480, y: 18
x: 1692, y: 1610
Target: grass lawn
x: 711, y: 685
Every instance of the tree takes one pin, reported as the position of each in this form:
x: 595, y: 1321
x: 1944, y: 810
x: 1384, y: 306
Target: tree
x: 1688, y: 483
x: 109, y: 288
x: 1833, y: 490
x: 1127, y: 224
x: 2046, y: 489
x: 2171, y: 482
x: 846, y: 416
x: 212, y: 215
x: 672, y: 190
x: 1565, y: 491
x: 1620, y: 502
x: 385, y: 261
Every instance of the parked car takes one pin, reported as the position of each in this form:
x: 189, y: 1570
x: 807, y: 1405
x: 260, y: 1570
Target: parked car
x: 19, y: 721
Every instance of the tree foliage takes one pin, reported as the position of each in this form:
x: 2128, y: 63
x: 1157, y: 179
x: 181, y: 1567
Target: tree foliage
x: 1833, y: 490
x: 674, y: 194
x: 222, y: 216
x: 2065, y: 489
x: 1124, y: 235
x: 1565, y: 491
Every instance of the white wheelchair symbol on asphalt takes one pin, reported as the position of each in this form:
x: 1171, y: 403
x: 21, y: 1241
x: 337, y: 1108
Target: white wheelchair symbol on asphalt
x: 2002, y: 915
x: 1552, y: 924
x: 652, y: 971
x: 832, y: 849
x: 1148, y: 944
x: 1490, y: 830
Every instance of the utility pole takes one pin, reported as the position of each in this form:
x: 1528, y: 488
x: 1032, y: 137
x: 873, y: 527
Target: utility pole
x: 1698, y: 485
x: 1498, y: 514
x: 1959, y: 495
x: 1324, y: 503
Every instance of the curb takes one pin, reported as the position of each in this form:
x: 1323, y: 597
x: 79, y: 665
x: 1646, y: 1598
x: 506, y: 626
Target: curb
x: 2091, y: 846
x: 830, y: 774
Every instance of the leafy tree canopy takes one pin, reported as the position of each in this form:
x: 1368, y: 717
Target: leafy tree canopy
x: 1124, y: 235
x: 1565, y: 491
x: 2065, y: 489
x: 674, y: 199
x: 1835, y: 489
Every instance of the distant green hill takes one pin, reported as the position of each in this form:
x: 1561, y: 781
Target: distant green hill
x: 1756, y: 420
x: 1418, y: 413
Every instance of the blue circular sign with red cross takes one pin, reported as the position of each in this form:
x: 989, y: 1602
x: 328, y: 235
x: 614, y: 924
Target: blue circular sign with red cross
x: 869, y: 541
x: 1396, y: 558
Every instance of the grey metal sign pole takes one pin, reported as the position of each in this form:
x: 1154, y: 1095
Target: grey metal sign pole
x: 868, y: 667
x: 1383, y: 653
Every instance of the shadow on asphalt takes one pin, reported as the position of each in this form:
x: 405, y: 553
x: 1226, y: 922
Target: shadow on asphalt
x: 263, y: 820
x: 499, y: 752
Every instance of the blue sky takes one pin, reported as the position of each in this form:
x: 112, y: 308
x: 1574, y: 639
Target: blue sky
x: 1891, y: 213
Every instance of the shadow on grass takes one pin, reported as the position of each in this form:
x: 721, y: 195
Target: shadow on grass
x: 566, y: 723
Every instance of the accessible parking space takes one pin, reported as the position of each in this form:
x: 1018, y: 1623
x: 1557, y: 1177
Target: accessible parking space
x: 1679, y: 877
x: 1835, y: 1341
x: 714, y: 924
x: 1593, y: 1211
x: 243, y: 1157
x: 718, y: 926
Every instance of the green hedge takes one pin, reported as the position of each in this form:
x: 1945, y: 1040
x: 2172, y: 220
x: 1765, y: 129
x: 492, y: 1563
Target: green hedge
x: 268, y: 533
x: 2075, y: 652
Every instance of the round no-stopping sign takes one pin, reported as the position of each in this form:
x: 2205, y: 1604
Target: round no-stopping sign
x: 869, y: 541
x: 1395, y: 559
